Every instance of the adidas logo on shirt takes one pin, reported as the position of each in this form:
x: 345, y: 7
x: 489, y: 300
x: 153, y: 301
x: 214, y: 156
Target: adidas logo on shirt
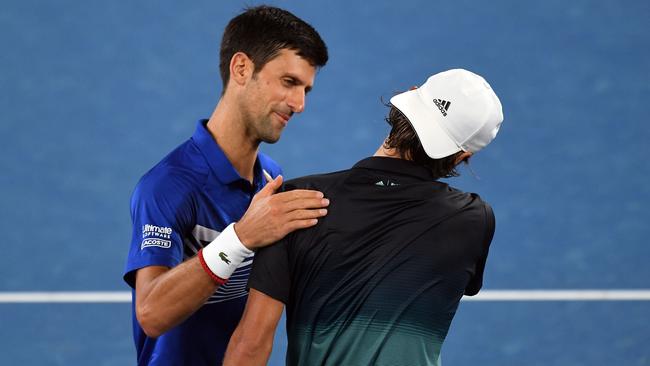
x: 443, y: 105
x: 388, y: 183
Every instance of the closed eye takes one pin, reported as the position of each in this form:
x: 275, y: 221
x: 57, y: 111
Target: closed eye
x: 290, y: 82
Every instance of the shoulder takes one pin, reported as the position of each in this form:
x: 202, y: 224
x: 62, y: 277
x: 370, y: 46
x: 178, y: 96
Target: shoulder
x: 176, y: 176
x: 320, y: 182
x: 480, y: 204
x: 166, y: 181
x: 471, y: 205
x: 461, y: 197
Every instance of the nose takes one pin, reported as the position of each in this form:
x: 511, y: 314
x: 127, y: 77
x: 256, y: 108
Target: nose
x: 296, y: 100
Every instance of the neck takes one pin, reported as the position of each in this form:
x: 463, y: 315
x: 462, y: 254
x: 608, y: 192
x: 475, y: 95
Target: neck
x: 388, y: 153
x: 227, y: 128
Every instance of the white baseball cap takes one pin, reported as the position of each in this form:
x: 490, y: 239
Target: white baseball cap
x: 455, y: 110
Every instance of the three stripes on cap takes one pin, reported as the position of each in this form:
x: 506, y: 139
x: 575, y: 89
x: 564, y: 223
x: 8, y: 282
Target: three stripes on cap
x: 443, y: 105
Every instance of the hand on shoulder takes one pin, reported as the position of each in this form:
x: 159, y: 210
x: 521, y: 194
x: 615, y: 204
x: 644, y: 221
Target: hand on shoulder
x: 271, y: 216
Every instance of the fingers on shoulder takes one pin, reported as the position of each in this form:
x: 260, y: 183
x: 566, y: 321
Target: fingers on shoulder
x: 299, y: 194
x: 299, y: 224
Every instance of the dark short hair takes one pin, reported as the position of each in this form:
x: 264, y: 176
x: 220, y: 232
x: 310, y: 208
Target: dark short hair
x: 405, y: 141
x: 262, y: 31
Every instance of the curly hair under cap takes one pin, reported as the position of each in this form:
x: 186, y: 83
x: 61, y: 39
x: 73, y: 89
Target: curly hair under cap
x: 403, y: 139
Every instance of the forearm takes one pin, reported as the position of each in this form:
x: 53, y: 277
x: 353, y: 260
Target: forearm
x: 241, y: 352
x: 173, y: 296
x: 252, y: 341
x: 164, y: 298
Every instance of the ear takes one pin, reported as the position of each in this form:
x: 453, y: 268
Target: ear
x: 241, y: 68
x: 462, y: 157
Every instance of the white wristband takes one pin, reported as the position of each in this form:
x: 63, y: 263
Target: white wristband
x: 225, y: 253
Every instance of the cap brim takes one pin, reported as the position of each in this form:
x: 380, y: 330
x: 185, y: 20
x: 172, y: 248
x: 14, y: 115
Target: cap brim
x: 426, y: 123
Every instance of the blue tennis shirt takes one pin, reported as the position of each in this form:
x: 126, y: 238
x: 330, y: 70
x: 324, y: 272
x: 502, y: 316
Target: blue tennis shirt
x: 177, y: 207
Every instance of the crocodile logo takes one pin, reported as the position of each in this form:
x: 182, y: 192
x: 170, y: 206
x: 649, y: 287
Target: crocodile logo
x: 224, y: 257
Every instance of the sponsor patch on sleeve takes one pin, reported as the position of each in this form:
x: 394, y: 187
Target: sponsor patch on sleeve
x: 152, y: 242
x: 156, y: 236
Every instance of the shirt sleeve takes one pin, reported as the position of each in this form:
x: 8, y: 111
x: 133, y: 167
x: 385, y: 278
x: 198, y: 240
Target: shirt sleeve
x: 476, y: 282
x: 161, y: 212
x: 271, y: 273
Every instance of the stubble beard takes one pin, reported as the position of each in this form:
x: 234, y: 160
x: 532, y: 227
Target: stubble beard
x: 260, y: 128
x: 259, y: 124
x: 266, y: 132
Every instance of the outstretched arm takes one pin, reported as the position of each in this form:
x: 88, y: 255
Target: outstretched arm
x: 252, y: 341
x: 165, y: 297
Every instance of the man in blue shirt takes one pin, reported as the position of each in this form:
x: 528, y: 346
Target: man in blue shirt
x: 196, y: 215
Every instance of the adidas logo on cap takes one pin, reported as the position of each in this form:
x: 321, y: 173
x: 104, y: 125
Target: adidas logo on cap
x: 443, y: 105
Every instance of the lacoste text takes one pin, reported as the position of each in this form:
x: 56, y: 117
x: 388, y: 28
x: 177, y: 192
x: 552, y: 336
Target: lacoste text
x: 151, y: 242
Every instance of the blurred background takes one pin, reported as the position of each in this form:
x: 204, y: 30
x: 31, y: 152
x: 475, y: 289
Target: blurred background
x: 94, y: 93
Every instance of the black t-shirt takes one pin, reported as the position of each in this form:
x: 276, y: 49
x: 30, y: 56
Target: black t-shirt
x: 378, y: 280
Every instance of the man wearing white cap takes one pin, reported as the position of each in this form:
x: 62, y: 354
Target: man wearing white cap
x: 378, y: 280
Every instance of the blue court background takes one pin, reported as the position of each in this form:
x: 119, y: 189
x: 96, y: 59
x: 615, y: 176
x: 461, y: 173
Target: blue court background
x: 93, y: 93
